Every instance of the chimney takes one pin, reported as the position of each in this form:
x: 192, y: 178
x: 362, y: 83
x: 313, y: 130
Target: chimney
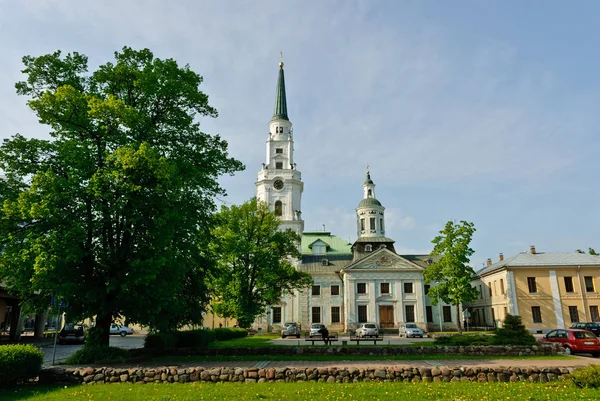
x: 501, y: 256
x: 532, y: 249
x: 489, y: 261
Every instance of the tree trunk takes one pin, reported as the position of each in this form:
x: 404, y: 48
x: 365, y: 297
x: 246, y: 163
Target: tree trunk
x: 15, y: 322
x: 458, y: 319
x: 40, y: 324
x: 103, y: 323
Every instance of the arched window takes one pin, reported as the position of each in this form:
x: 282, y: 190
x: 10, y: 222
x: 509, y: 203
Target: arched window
x: 278, y: 208
x: 368, y: 248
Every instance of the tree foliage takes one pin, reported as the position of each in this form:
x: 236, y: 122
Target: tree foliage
x: 113, y: 211
x: 254, y: 260
x: 450, y: 271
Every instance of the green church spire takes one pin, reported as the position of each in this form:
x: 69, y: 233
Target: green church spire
x: 280, y: 102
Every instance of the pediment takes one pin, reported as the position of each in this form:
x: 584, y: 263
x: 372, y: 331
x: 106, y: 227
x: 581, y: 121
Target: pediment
x: 383, y: 259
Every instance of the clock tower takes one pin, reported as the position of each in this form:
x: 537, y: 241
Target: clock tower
x: 279, y: 183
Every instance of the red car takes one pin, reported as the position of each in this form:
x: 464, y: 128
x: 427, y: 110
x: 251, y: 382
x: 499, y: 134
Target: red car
x: 574, y: 341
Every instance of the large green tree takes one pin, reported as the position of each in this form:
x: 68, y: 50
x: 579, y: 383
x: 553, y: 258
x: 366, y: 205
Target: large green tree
x: 450, y: 272
x: 113, y: 212
x: 254, y: 260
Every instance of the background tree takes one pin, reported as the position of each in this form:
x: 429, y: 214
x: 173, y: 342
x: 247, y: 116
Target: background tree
x: 450, y: 271
x: 592, y: 251
x: 254, y: 260
x: 114, y: 211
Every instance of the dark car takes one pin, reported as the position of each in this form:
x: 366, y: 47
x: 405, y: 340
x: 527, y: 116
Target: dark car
x: 589, y: 326
x: 575, y: 341
x: 72, y: 333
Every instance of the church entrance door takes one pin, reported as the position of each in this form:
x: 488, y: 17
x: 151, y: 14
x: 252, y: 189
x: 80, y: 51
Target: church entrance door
x: 386, y: 316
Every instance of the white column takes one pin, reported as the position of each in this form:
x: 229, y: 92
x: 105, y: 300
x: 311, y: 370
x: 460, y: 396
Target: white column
x: 511, y: 289
x: 560, y: 322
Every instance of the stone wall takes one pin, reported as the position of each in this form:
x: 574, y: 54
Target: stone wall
x: 331, y: 375
x: 482, y: 350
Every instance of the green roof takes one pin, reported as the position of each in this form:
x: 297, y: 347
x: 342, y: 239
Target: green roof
x: 280, y: 112
x: 369, y: 202
x: 337, y: 246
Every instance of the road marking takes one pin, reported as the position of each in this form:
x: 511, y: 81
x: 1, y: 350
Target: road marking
x: 434, y: 363
x: 261, y: 364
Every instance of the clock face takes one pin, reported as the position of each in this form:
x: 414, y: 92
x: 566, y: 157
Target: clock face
x: 278, y: 184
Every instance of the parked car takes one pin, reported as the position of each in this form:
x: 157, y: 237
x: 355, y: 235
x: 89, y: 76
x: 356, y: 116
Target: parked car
x: 290, y: 329
x: 367, y: 330
x: 589, y: 326
x: 575, y: 341
x: 315, y: 330
x: 72, y: 333
x: 410, y: 330
x: 121, y: 330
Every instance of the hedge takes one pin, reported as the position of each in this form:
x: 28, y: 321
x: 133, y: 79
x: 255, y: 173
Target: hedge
x: 191, y: 338
x: 19, y: 363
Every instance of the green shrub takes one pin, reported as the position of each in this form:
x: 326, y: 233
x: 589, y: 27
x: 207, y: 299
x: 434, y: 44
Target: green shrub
x: 465, y: 340
x: 224, y: 334
x: 588, y: 377
x: 195, y: 338
x: 94, y: 353
x: 19, y: 363
x: 513, y: 332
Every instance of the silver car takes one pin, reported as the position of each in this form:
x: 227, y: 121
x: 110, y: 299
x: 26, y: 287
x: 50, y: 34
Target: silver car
x: 410, y: 330
x: 315, y: 330
x: 290, y: 329
x: 367, y: 330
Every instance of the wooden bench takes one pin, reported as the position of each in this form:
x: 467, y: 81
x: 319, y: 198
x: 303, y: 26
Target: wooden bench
x: 332, y: 337
x: 374, y: 339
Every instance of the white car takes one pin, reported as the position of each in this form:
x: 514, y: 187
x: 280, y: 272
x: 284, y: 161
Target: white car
x: 121, y: 330
x: 315, y: 330
x: 410, y: 330
x: 367, y: 330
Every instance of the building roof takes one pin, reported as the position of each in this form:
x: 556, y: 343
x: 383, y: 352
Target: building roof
x: 528, y: 259
x: 336, y: 245
x: 369, y: 202
x: 374, y: 239
x: 280, y: 112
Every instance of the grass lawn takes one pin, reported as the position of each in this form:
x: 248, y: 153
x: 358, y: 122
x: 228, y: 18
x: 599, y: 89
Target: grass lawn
x: 197, y: 358
x: 308, y: 391
x: 248, y: 342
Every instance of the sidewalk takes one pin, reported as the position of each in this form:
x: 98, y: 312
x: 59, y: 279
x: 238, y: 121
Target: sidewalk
x: 580, y: 361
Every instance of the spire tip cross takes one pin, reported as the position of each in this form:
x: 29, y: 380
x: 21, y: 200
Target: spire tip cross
x: 367, y: 168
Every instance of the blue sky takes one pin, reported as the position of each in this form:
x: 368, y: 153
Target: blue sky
x: 484, y: 111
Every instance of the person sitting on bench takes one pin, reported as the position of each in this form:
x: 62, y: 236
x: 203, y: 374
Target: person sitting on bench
x: 325, y: 335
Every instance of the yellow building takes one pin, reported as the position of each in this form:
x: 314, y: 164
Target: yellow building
x: 547, y: 289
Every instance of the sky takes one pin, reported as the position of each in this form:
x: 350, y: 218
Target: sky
x: 484, y: 111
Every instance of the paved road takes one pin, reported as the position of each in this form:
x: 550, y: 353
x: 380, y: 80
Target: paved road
x: 387, y: 340
x: 66, y: 350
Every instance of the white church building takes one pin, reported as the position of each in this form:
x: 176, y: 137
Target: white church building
x: 366, y: 281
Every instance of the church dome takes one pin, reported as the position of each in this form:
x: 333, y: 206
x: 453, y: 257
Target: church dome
x: 369, y: 202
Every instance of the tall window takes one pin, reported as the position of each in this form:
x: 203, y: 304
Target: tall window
x: 429, y: 314
x: 502, y: 286
x: 594, y: 313
x: 480, y: 292
x: 427, y: 287
x: 335, y: 290
x: 573, y: 314
x: 316, y: 290
x: 447, y: 313
x: 335, y: 314
x: 279, y: 165
x: 569, y: 284
x: 490, y: 289
x: 372, y: 223
x: 361, y: 288
x: 362, y: 313
x: 381, y: 224
x: 589, y: 284
x: 537, y: 314
x: 362, y: 224
x: 278, y: 208
x: 385, y: 288
x: 495, y: 290
x: 408, y: 288
x: 532, y: 284
x: 409, y: 313
x: 276, y: 314
x: 316, y: 314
